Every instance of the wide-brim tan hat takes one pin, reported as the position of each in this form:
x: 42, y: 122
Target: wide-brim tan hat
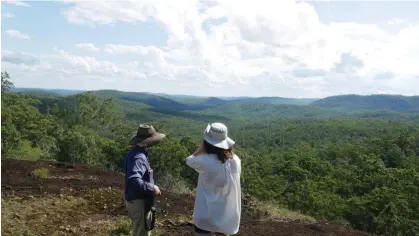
x: 216, y: 134
x: 147, y: 136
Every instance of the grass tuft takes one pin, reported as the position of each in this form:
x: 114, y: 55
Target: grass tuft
x: 265, y: 210
x: 274, y: 211
x: 121, y: 227
x: 42, y: 173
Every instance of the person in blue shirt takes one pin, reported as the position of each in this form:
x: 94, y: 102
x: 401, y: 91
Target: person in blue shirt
x: 140, y: 189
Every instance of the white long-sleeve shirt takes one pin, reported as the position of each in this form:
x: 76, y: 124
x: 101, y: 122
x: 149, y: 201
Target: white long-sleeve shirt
x: 218, y: 196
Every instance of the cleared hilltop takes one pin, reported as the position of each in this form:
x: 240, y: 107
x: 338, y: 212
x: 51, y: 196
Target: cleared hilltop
x: 46, y: 198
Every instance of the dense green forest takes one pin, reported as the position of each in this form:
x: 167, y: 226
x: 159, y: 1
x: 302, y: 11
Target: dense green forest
x: 357, y: 168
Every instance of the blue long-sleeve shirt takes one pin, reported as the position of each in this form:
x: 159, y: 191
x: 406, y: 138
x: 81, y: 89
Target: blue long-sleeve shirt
x: 139, y: 181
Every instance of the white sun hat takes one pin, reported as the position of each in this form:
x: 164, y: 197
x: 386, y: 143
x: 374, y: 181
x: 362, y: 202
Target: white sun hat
x: 216, y: 135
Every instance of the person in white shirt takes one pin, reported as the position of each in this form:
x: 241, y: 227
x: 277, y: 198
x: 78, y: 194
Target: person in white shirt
x: 218, y: 195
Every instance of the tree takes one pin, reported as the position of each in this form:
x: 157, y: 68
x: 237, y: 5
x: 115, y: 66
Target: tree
x: 6, y: 84
x: 92, y: 111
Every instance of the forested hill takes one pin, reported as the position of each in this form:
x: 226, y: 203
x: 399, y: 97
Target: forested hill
x: 360, y: 169
x: 178, y: 102
x: 260, y: 108
x: 358, y: 103
x: 146, y: 98
x: 166, y: 101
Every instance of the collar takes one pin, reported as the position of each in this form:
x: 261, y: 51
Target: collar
x: 141, y: 150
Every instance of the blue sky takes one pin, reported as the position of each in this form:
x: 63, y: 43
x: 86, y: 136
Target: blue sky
x: 47, y: 27
x: 225, y: 48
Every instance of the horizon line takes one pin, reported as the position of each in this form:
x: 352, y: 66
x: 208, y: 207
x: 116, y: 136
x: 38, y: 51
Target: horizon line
x: 198, y: 96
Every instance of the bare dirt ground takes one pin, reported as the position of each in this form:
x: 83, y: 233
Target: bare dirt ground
x: 77, y: 200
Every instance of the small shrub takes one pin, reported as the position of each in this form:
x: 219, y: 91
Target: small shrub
x: 42, y: 173
x: 275, y: 211
x: 173, y: 184
x: 122, y: 227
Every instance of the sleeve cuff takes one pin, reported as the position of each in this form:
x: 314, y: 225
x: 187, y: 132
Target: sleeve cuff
x: 190, y: 161
x: 189, y: 157
x: 150, y: 187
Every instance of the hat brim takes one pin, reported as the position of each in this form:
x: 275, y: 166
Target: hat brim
x: 225, y: 144
x: 149, y: 141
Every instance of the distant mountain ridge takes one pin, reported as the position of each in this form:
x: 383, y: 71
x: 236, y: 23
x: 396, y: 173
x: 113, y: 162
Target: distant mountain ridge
x: 280, y: 100
x: 177, y: 102
x: 362, y: 103
x: 63, y: 92
x: 390, y: 106
x: 146, y: 98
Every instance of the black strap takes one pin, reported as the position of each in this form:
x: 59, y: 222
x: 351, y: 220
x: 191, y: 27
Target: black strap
x: 149, y: 214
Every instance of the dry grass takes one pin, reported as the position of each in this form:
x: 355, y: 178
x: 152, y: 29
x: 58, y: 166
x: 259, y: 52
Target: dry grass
x: 76, y: 176
x: 36, y: 215
x: 265, y: 210
x: 58, y: 215
x: 278, y: 213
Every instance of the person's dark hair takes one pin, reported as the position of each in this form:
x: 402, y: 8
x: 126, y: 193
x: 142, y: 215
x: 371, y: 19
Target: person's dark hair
x: 222, y: 154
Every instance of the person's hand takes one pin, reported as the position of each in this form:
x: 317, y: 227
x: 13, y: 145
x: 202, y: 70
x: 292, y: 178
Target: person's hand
x: 200, y: 150
x: 156, y: 190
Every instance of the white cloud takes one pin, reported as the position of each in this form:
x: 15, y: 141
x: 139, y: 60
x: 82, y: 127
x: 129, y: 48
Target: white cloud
x: 7, y: 15
x: 384, y: 76
x: 17, y: 3
x: 70, y: 70
x: 19, y: 58
x: 396, y: 21
x: 124, y: 49
x: 17, y: 34
x: 64, y: 70
x: 348, y: 64
x: 87, y: 46
x: 260, y: 47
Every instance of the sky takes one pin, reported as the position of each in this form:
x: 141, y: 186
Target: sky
x: 284, y: 48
